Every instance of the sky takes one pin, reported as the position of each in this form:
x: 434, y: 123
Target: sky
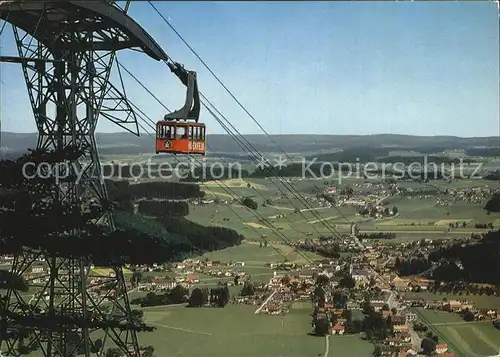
x: 417, y: 68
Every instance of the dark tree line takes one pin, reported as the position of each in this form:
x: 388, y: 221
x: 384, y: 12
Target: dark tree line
x: 353, y: 155
x: 298, y: 170
x: 202, y: 174
x: 119, y: 193
x: 159, y: 208
x: 216, y: 297
x: 123, y: 194
x: 493, y: 176
x: 177, y: 295
x: 205, y: 239
x: 412, y: 266
x: 479, y: 261
x: 485, y: 152
x: 493, y: 205
x: 199, y: 297
x: 327, y: 250
x: 438, y: 160
x: 484, y: 225
x: 168, y: 190
x: 120, y: 171
x: 250, y: 203
x: 219, y: 296
x: 378, y: 235
x: 248, y: 289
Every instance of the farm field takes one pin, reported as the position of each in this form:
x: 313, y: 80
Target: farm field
x: 255, y: 257
x: 482, y: 301
x: 464, y: 338
x: 191, y: 332
x: 253, y: 225
x: 417, y: 219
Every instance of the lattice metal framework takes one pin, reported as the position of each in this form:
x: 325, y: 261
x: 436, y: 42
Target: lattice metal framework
x: 67, y: 49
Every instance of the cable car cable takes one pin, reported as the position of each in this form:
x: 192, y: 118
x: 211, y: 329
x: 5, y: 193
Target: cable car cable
x: 151, y: 124
x: 320, y: 219
x: 232, y: 95
x: 232, y: 194
x: 225, y: 88
x: 290, y: 187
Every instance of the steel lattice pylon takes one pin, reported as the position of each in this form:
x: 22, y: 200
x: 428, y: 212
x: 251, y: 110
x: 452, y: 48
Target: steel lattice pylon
x: 66, y: 49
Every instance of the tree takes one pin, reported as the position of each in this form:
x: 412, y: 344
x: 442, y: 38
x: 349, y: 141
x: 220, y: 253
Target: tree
x: 248, y: 289
x: 428, y: 346
x: 285, y: 280
x: 319, y: 296
x: 347, y: 281
x: 250, y: 203
x: 149, y: 351
x: 136, y: 277
x: 322, y: 280
x: 321, y: 326
x: 196, y: 298
x: 493, y: 205
x: 468, y: 315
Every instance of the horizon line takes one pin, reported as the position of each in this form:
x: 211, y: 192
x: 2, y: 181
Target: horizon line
x: 291, y: 134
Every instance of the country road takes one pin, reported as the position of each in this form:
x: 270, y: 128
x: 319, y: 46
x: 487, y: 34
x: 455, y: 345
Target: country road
x: 265, y: 302
x: 327, y: 345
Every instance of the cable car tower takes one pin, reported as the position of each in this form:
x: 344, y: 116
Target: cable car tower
x: 66, y: 49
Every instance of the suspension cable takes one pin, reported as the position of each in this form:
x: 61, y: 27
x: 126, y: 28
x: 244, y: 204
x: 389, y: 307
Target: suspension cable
x: 244, y: 146
x: 223, y: 85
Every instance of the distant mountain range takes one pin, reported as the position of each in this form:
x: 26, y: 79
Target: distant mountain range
x: 125, y: 143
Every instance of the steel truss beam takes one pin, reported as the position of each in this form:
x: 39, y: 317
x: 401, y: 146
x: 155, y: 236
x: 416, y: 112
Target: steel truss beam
x: 68, y: 87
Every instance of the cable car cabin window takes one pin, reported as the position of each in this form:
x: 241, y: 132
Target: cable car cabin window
x: 181, y: 132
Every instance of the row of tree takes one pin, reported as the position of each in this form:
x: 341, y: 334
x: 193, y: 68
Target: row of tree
x: 484, y: 225
x: 158, y: 208
x: 478, y: 261
x: 469, y: 263
x: 378, y: 235
x: 327, y: 250
x: 202, y: 238
x: 493, y: 205
x: 167, y: 190
x: 493, y: 176
x: 177, y: 295
x: 430, y: 160
x: 123, y: 194
x: 484, y: 152
x: 223, y: 172
x: 353, y: 155
x: 215, y: 297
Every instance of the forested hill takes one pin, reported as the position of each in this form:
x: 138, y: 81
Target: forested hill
x: 125, y: 143
x: 164, y: 220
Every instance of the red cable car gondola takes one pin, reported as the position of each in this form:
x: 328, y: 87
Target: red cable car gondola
x: 174, y: 136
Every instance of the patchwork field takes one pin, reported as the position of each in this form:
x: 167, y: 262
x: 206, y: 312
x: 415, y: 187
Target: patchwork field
x: 255, y: 256
x: 482, y: 301
x: 464, y: 338
x: 191, y: 332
